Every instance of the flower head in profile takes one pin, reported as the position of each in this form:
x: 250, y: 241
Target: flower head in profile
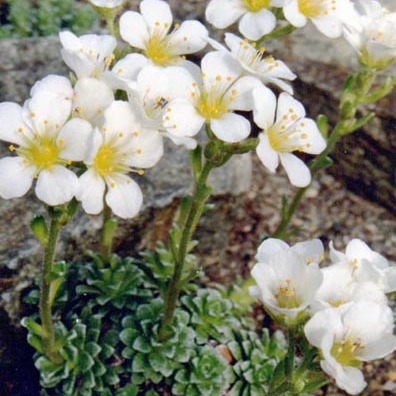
x: 150, y: 31
x: 45, y: 143
x: 255, y: 63
x: 285, y: 129
x: 282, y: 285
x: 256, y: 18
x: 329, y: 16
x: 375, y: 39
x: 348, y: 336
x: 89, y: 55
x: 212, y: 99
x: 121, y: 146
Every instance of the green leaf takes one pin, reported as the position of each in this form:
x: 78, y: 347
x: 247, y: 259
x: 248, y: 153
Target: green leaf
x: 85, y: 361
x: 323, y: 125
x: 39, y: 229
x: 141, y: 345
x: 32, y: 326
x: 139, y: 363
x: 128, y: 336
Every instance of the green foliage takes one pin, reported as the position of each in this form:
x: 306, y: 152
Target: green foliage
x: 119, y: 284
x: 27, y: 18
x: 152, y: 359
x: 212, y: 315
x: 256, y: 359
x: 205, y: 375
x: 107, y: 334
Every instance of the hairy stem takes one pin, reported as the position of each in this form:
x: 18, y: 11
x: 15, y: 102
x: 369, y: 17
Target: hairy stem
x: 201, y: 194
x: 108, y: 230
x: 45, y: 304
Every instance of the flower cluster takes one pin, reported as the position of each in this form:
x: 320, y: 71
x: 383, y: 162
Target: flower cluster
x: 80, y: 140
x: 343, y: 305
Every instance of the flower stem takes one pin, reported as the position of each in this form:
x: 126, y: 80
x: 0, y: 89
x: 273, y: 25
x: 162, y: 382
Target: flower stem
x: 201, y: 194
x: 108, y: 230
x: 45, y: 305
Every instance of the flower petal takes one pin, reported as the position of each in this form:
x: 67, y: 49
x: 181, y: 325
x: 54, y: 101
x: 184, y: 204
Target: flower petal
x: 181, y: 119
x: 190, y: 37
x: 157, y: 15
x: 267, y: 155
x: 286, y: 103
x: 75, y: 139
x: 133, y: 29
x: 312, y: 141
x: 264, y: 107
x: 270, y: 247
x: 298, y: 173
x: 58, y: 85
x: 293, y: 14
x: 92, y: 96
x: 223, y: 13
x: 240, y: 96
x: 254, y: 25
x: 148, y: 149
x: 124, y: 197
x: 15, y: 177
x: 56, y: 186
x: 90, y: 192
x: 10, y: 121
x: 231, y: 128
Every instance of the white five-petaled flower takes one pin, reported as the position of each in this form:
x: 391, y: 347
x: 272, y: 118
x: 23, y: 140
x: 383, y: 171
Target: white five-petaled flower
x: 212, y: 99
x: 46, y: 143
x: 121, y: 146
x: 253, y: 61
x: 89, y: 55
x: 284, y: 130
x: 150, y: 32
x: 329, y: 16
x: 107, y: 3
x: 256, y: 17
x: 375, y: 42
x: 348, y: 336
x: 366, y: 265
x: 282, y: 281
x: 312, y: 251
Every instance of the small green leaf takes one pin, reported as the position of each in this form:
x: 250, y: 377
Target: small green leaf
x: 40, y: 230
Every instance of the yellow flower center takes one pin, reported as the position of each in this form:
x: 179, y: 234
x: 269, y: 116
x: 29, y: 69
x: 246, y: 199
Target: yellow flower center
x: 157, y: 51
x: 211, y: 106
x: 313, y: 8
x: 336, y: 303
x: 286, y: 295
x: 345, y: 352
x: 42, y: 152
x: 107, y: 160
x: 256, y: 5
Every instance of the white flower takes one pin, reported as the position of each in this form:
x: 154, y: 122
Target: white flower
x: 349, y: 335
x: 375, y: 42
x: 311, y: 251
x: 286, y: 285
x: 89, y: 55
x: 339, y: 288
x: 46, y: 144
x: 213, y: 99
x: 366, y: 265
x: 121, y: 146
x: 107, y: 3
x: 256, y: 17
x: 284, y: 130
x: 267, y: 69
x: 329, y: 16
x: 153, y: 89
x: 150, y: 32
